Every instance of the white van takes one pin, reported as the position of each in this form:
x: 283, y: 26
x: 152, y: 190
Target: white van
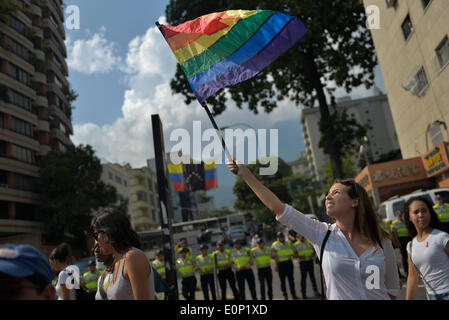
x: 388, y: 208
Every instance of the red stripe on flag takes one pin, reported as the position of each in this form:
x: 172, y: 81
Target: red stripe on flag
x: 201, y: 25
x: 179, y: 186
x: 210, y: 184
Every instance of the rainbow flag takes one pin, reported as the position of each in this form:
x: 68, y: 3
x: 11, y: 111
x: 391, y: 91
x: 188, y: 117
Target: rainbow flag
x: 222, y: 49
x: 193, y: 177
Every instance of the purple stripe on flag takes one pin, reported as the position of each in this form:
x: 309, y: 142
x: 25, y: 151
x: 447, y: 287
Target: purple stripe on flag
x: 291, y: 34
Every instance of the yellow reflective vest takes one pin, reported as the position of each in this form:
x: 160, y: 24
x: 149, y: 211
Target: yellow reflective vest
x: 91, y: 280
x: 262, y: 256
x: 205, y: 263
x: 185, y: 267
x: 400, y: 228
x: 242, y: 257
x: 304, y: 249
x: 284, y: 250
x: 222, y: 258
x: 189, y: 253
x: 159, y: 267
x: 442, y: 211
x: 385, y: 226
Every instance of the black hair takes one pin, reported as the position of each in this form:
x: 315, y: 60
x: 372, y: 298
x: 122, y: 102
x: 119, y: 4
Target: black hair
x: 61, y: 252
x: 10, y: 287
x: 116, y: 225
x: 434, y: 220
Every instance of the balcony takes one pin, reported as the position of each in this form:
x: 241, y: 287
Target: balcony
x: 39, y: 54
x: 39, y: 78
x: 62, y: 116
x: 43, y: 125
x: 44, y: 149
x: 35, y: 10
x: 21, y: 226
x: 41, y: 101
x: 58, y: 134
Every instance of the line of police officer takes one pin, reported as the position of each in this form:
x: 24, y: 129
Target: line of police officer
x: 243, y: 258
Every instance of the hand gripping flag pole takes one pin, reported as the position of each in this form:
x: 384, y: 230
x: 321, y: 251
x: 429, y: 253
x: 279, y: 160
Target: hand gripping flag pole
x: 222, y: 49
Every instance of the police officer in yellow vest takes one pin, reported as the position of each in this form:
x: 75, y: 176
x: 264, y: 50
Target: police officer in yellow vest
x: 283, y: 250
x: 242, y: 260
x: 262, y: 255
x: 225, y: 273
x: 205, y: 266
x: 158, y: 263
x: 186, y: 267
x: 401, y: 237
x: 442, y: 210
x: 384, y: 224
x: 305, y: 254
x: 183, y: 244
x: 90, y: 279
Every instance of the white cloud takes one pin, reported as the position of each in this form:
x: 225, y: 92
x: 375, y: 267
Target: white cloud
x: 94, y: 55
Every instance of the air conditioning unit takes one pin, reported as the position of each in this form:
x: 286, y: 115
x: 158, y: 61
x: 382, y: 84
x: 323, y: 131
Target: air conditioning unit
x: 417, y: 82
x: 390, y: 3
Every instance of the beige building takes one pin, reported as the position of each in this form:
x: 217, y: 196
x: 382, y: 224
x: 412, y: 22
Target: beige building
x: 35, y: 113
x: 413, y: 51
x: 374, y: 111
x: 139, y: 186
x: 301, y: 165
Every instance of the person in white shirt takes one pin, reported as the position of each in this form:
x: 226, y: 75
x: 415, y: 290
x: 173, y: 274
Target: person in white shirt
x: 69, y: 275
x: 428, y: 252
x: 355, y: 266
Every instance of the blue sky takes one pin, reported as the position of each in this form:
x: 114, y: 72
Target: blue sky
x: 120, y: 66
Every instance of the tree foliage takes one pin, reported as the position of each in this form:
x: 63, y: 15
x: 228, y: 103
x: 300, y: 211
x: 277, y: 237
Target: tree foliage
x: 337, y: 52
x: 70, y: 189
x: 246, y: 199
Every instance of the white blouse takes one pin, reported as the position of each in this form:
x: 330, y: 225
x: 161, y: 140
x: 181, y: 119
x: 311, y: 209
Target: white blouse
x: 372, y: 276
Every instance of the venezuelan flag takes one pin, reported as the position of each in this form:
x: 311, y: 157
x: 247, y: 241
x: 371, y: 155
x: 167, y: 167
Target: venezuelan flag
x: 222, y: 49
x: 193, y: 177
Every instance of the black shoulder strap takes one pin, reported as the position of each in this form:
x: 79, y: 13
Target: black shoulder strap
x: 103, y: 294
x: 320, y: 262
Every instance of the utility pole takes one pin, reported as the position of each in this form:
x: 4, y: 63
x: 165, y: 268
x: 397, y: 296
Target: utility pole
x: 165, y: 216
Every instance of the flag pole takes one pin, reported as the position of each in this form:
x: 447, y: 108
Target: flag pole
x: 228, y: 155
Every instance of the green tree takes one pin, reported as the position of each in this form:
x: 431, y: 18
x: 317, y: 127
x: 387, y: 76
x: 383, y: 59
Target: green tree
x: 337, y: 49
x: 221, y: 212
x: 349, y: 170
x: 8, y: 8
x: 70, y: 190
x: 247, y: 201
x: 301, y: 188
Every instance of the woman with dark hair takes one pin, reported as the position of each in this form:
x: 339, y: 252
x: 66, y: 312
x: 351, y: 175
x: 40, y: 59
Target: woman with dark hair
x: 69, y: 275
x: 428, y: 252
x: 358, y: 260
x: 131, y: 272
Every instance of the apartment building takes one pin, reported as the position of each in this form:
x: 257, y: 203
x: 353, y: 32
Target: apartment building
x: 412, y: 47
x: 374, y: 111
x: 35, y: 111
x: 139, y: 186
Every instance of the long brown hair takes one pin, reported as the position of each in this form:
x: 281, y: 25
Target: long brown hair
x: 365, y: 217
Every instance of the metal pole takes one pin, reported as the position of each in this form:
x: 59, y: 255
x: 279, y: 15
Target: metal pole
x: 165, y: 216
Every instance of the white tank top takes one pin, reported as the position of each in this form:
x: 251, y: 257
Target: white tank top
x: 121, y: 288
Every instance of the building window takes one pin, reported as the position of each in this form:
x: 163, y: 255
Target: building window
x: 21, y: 126
x: 392, y: 3
x: 142, y: 196
x: 118, y: 179
x: 125, y: 183
x: 421, y: 80
x: 425, y: 3
x: 407, y: 27
x: 17, y: 25
x: 62, y: 147
x: 22, y: 154
x: 17, y: 48
x: 111, y: 176
x: 57, y: 62
x: 435, y: 133
x: 442, y: 52
x: 18, y: 74
x: 20, y: 100
x: 150, y: 185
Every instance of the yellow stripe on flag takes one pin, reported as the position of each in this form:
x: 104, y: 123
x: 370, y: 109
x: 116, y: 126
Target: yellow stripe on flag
x: 210, y: 164
x: 175, y: 168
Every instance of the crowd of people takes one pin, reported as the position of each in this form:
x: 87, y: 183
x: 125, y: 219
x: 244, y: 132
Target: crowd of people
x: 356, y: 256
